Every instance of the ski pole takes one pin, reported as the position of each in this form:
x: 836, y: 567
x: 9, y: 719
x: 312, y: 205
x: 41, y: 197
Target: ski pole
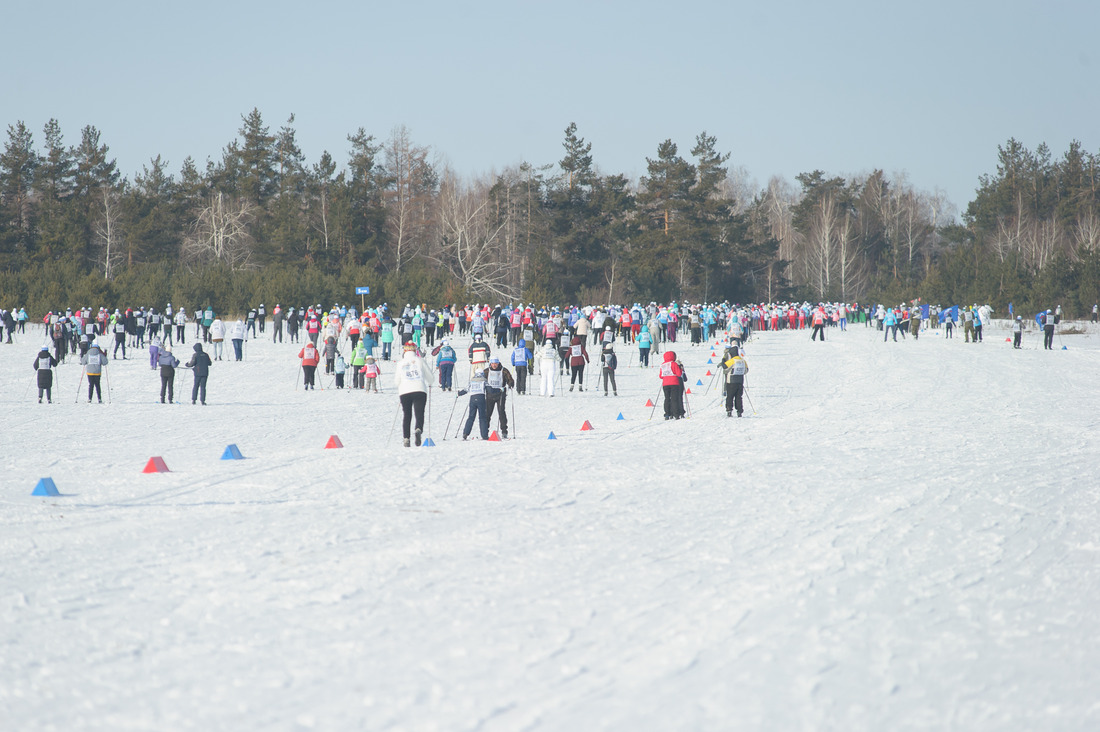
x: 298, y: 378
x: 78, y: 385
x: 655, y: 400
x: 466, y: 409
x: 513, y: 415
x: 429, y: 412
x: 447, y: 429
x: 746, y: 390
x: 392, y: 426
x: 28, y: 389
x: 711, y: 383
x: 687, y: 403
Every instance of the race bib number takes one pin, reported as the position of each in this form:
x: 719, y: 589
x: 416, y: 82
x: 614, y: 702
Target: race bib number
x: 412, y: 373
x: 495, y: 379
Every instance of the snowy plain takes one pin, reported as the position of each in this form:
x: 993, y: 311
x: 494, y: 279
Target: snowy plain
x: 897, y: 536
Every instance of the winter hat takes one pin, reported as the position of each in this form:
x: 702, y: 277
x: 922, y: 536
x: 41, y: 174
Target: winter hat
x: 494, y: 359
x: 446, y: 341
x: 410, y: 346
x: 522, y: 343
x: 607, y: 347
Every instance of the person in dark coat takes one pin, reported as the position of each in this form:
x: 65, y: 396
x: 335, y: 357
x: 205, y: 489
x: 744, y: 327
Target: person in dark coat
x: 200, y: 364
x: 168, y: 364
x: 43, y: 364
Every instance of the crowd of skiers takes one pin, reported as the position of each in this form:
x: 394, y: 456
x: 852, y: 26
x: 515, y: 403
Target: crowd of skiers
x: 542, y: 345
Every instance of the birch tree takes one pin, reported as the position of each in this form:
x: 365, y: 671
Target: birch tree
x: 220, y: 233
x: 107, y: 230
x: 471, y: 243
x: 408, y: 197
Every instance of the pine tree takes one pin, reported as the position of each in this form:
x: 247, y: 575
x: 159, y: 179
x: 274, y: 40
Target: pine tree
x: 577, y: 163
x: 152, y: 225
x: 663, y: 261
x: 364, y: 191
x: 253, y: 160
x: 18, y: 165
x: 54, y: 180
x: 94, y: 204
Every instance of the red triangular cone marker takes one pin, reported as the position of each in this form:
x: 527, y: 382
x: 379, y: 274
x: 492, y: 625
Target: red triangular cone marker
x: 333, y: 442
x: 688, y: 391
x: 155, y: 465
x: 494, y: 437
x: 586, y: 426
x: 713, y: 354
x: 649, y: 402
x: 708, y: 373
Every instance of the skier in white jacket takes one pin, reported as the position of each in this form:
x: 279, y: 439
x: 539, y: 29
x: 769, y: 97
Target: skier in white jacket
x: 548, y: 367
x: 411, y: 377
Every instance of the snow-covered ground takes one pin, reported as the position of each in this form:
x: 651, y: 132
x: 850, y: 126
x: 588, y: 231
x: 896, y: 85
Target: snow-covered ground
x: 897, y: 536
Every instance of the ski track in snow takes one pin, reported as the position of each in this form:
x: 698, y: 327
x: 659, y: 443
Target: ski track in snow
x: 897, y: 536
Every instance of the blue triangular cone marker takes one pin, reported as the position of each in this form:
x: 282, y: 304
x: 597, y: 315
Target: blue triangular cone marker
x: 619, y: 417
x: 710, y: 360
x: 1064, y: 348
x: 232, y: 452
x: 428, y: 443
x: 699, y: 382
x: 551, y: 437
x: 45, y: 487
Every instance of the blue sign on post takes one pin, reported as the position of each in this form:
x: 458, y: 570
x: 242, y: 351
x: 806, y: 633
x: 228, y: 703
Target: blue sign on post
x: 362, y: 290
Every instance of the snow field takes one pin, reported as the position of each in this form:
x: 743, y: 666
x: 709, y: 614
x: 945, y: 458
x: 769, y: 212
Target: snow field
x: 903, y: 536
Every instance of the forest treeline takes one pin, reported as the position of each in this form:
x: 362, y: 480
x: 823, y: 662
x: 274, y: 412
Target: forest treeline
x: 262, y: 224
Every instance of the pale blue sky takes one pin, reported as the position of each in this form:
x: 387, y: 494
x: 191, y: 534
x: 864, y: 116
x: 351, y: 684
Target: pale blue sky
x: 925, y: 88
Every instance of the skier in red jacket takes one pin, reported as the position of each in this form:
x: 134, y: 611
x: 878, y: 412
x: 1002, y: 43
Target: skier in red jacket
x: 672, y: 383
x: 578, y: 359
x: 310, y: 358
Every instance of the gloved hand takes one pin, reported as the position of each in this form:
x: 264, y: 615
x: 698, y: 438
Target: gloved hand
x: 462, y: 392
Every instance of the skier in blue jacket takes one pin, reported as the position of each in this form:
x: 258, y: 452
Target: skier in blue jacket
x: 521, y: 361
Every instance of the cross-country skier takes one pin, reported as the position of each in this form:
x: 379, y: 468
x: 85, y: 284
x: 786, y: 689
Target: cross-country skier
x: 200, y: 366
x: 735, y: 369
x: 548, y: 367
x: 671, y: 374
x: 476, y: 390
x: 521, y: 361
x: 43, y: 365
x: 310, y: 358
x: 168, y: 364
x: 497, y: 382
x: 94, y: 361
x: 411, y: 379
x: 609, y: 362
